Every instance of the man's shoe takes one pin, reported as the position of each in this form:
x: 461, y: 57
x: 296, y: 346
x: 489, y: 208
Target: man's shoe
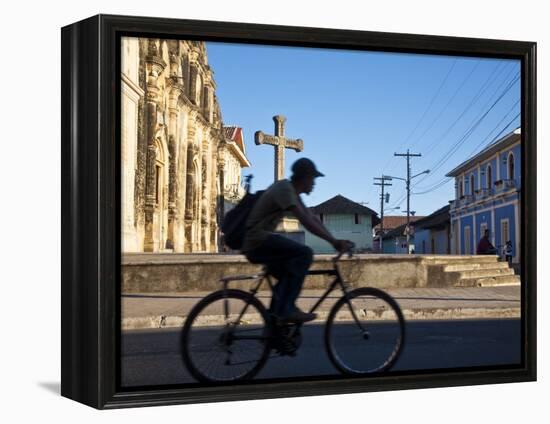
x: 298, y: 316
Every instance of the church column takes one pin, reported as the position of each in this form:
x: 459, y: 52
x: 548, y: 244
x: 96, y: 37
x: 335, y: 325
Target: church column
x: 190, y: 187
x: 173, y: 115
x: 172, y: 189
x: 193, y: 82
x: 207, y: 102
x: 204, y: 215
x: 154, y: 65
x: 214, y: 197
x: 181, y: 176
x: 221, y: 185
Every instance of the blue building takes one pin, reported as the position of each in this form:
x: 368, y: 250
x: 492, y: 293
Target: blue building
x: 487, y: 195
x: 432, y: 234
x: 395, y: 241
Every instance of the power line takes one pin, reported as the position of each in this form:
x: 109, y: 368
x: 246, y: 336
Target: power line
x: 437, y: 186
x: 480, y: 92
x: 501, y: 131
x: 446, y: 179
x: 474, y: 100
x: 425, y: 111
x: 470, y: 131
x: 484, y: 87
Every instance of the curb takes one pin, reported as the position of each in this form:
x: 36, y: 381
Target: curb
x: 175, y: 321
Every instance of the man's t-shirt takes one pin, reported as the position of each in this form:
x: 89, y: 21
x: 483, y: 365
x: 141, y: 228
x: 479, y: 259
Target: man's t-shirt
x: 267, y: 213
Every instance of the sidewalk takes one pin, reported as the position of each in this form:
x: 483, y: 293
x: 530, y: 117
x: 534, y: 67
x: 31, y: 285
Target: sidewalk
x: 160, y: 310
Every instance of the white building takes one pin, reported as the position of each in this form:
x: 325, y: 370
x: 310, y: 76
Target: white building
x: 234, y: 160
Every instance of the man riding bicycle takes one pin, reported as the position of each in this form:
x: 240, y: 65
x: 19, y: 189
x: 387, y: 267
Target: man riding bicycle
x: 285, y: 259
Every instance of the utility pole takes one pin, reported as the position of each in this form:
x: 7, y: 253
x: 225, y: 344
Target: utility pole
x: 383, y: 183
x: 407, y: 180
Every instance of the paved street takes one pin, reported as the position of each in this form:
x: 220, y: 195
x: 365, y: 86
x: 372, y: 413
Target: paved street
x: 151, y: 357
x: 154, y: 310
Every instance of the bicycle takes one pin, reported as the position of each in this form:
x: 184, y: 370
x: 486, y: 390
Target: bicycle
x: 364, y: 324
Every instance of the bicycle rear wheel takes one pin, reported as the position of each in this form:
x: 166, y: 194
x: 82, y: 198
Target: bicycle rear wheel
x: 365, y: 332
x: 225, y: 337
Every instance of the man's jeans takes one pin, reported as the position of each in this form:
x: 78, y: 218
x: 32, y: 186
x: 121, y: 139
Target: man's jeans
x: 288, y: 261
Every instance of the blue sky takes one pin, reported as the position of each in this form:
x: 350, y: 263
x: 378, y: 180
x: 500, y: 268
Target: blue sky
x: 355, y: 109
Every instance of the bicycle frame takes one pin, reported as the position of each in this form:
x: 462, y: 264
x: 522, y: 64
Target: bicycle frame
x: 281, y: 336
x: 264, y: 275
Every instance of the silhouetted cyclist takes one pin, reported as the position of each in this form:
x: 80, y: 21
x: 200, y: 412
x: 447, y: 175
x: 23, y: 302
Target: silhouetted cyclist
x: 288, y: 261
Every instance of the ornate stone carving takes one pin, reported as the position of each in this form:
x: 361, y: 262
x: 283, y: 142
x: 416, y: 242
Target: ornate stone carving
x: 173, y: 54
x: 190, y: 190
x: 179, y: 102
x: 193, y: 83
x: 173, y: 183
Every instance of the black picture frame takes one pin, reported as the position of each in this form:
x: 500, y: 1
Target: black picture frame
x: 91, y: 204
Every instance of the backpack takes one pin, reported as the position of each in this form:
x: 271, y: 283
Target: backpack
x: 234, y: 222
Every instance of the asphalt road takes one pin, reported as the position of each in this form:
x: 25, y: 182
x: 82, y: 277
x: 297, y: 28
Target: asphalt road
x: 151, y: 357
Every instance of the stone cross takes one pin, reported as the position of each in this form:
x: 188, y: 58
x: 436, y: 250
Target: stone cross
x: 280, y: 142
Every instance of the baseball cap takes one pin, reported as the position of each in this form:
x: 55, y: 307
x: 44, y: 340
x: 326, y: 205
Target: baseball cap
x: 305, y: 167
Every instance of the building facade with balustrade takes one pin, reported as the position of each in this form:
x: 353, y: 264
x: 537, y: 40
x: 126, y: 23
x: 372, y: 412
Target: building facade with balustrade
x: 487, y: 196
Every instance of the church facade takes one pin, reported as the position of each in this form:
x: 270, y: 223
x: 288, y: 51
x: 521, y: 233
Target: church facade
x: 172, y: 148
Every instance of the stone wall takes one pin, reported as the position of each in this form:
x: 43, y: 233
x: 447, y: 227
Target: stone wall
x: 178, y: 273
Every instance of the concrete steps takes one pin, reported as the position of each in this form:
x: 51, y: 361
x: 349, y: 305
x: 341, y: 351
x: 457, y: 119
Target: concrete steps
x: 483, y: 272
x: 475, y: 266
x: 499, y: 280
x: 464, y: 260
x: 470, y: 271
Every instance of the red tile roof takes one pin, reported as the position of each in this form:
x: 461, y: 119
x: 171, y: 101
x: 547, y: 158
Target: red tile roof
x: 235, y: 134
x: 394, y: 221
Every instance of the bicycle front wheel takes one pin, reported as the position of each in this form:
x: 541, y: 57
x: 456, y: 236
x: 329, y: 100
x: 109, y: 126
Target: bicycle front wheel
x: 225, y: 337
x: 365, y: 332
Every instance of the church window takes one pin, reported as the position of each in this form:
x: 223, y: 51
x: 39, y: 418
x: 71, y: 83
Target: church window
x: 511, y: 166
x: 157, y: 183
x: 159, y: 167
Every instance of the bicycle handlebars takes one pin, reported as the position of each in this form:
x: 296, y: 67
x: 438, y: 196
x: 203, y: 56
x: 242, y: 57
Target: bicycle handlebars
x: 349, y: 252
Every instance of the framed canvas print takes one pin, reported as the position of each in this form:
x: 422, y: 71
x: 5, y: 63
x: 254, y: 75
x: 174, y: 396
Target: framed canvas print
x: 254, y: 211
